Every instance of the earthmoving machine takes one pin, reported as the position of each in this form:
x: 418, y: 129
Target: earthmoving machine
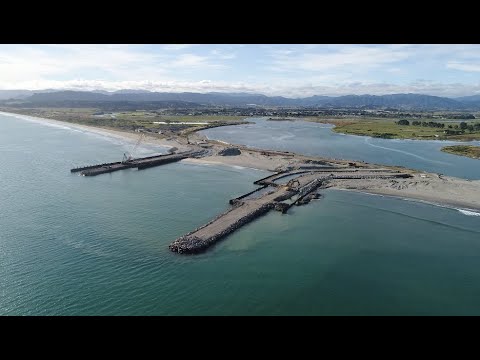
x: 128, y: 156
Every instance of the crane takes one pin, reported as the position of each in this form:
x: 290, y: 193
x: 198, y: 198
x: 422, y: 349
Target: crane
x: 128, y: 156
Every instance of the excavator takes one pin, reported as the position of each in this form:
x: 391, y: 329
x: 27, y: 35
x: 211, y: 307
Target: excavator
x: 293, y: 184
x: 128, y: 156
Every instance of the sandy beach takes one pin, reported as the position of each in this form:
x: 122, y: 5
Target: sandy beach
x: 422, y: 186
x: 247, y: 159
x: 125, y: 135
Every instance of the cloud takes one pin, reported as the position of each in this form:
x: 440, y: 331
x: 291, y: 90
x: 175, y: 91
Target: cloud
x: 221, y: 55
x: 464, y: 66
x: 176, y: 47
x: 346, y: 58
x: 27, y: 63
x: 192, y: 60
x: 288, y: 70
x: 294, y: 91
x: 41, y: 63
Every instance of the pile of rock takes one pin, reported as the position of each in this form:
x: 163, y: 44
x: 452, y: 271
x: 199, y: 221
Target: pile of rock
x: 188, y: 244
x: 283, y: 207
x: 320, y: 162
x: 230, y: 152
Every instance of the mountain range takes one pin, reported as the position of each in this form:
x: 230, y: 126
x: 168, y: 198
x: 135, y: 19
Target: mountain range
x: 83, y: 98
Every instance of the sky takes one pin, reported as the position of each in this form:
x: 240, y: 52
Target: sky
x: 290, y: 70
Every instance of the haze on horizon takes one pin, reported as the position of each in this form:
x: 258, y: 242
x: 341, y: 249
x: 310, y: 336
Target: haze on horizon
x: 293, y: 70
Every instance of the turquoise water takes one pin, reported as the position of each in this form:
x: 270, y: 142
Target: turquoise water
x: 71, y: 245
x: 318, y: 139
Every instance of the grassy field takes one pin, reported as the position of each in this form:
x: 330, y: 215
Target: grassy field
x: 463, y: 150
x: 390, y: 130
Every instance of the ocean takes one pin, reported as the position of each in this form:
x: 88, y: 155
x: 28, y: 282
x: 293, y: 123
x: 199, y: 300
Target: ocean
x: 72, y: 245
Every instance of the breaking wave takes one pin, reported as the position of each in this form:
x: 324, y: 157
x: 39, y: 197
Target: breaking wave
x: 468, y: 213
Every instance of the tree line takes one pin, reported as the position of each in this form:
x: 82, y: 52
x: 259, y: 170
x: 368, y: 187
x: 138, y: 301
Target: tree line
x: 462, y: 126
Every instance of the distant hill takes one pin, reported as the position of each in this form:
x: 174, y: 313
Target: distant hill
x: 469, y: 99
x: 142, y: 96
x: 399, y: 101
x: 15, y: 94
x: 396, y: 101
x: 21, y: 94
x: 118, y: 101
x: 128, y: 91
x: 60, y: 96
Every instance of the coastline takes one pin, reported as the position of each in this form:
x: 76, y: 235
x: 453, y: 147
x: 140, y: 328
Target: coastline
x: 430, y: 201
x: 124, y: 135
x: 242, y: 164
x: 424, y: 186
x: 247, y: 159
x: 427, y: 187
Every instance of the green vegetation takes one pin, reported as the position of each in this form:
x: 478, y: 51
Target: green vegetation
x: 426, y: 124
x: 404, y: 129
x: 463, y: 150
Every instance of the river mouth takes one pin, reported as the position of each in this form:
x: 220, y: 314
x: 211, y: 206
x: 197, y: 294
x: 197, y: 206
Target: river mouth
x: 315, y: 139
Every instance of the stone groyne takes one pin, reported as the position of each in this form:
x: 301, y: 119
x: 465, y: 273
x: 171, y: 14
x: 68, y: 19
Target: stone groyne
x: 82, y: 168
x: 245, y: 208
x: 385, y: 176
x: 237, y: 199
x: 191, y: 244
x: 106, y: 169
x: 270, y: 179
x: 266, y: 178
x: 160, y: 161
x: 140, y: 163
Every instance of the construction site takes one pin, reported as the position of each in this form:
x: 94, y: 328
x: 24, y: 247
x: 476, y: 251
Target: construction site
x: 273, y: 194
x: 296, y: 184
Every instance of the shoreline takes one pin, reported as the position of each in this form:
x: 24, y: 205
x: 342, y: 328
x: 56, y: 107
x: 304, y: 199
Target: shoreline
x: 424, y: 186
x: 117, y: 134
x: 469, y: 151
x: 407, y: 139
x: 450, y: 205
x: 460, y: 142
x: 212, y: 162
x: 335, y: 124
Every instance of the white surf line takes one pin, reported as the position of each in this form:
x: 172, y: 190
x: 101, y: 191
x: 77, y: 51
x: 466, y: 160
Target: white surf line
x: 405, y: 152
x: 41, y: 121
x: 85, y: 129
x: 464, y: 211
x: 180, y: 123
x: 468, y: 212
x: 215, y: 163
